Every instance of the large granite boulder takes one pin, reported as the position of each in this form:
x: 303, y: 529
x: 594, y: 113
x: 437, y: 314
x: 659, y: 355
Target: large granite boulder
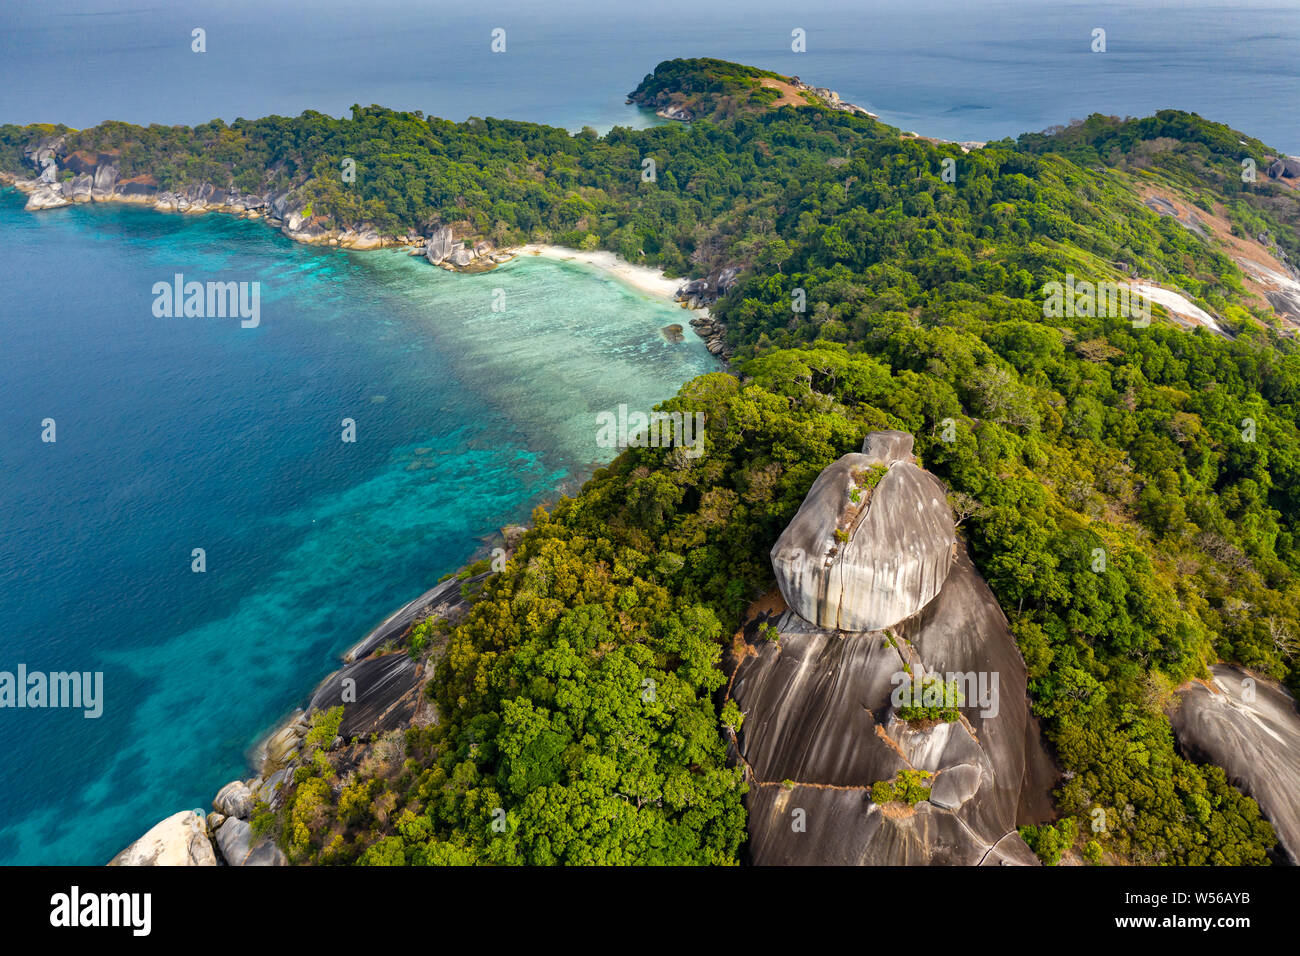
x: 180, y: 840
x: 440, y: 245
x: 234, y: 800
x: 822, y: 726
x: 1250, y: 727
x: 79, y: 187
x: 47, y: 196
x: 1288, y: 166
x: 45, y: 151
x: 824, y: 688
x: 872, y: 542
x: 280, y: 205
x: 105, y: 183
x: 240, y: 848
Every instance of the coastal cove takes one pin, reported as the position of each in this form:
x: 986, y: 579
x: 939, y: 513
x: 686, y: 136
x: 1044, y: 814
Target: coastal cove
x: 175, y: 434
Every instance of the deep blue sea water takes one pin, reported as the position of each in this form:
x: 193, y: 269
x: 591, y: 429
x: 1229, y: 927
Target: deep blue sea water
x: 185, y: 433
x: 957, y: 69
x: 175, y: 434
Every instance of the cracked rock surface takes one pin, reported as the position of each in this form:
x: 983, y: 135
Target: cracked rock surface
x: 821, y: 721
x: 1256, y: 741
x: 864, y: 564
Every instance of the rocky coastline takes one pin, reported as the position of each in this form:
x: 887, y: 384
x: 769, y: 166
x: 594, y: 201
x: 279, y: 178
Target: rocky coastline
x: 382, y: 690
x: 68, y: 178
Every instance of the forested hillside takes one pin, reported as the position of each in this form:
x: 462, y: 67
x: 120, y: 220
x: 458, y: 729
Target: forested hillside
x: 876, y: 293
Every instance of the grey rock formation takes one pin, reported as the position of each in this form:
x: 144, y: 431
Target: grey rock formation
x: 271, y: 790
x: 1288, y: 166
x: 78, y: 188
x: 864, y: 565
x: 440, y: 245
x: 702, y: 292
x: 239, y: 847
x: 278, y: 208
x: 234, y: 800
x: 282, y: 747
x: 47, y: 196
x: 377, y: 694
x: 179, y: 840
x: 444, y: 599
x: 679, y: 113
x: 1256, y: 742
x: 821, y: 706
x: 45, y: 150
x: 104, y: 184
x: 955, y: 785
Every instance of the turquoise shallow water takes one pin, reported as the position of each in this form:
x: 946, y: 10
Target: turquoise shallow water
x: 182, y: 433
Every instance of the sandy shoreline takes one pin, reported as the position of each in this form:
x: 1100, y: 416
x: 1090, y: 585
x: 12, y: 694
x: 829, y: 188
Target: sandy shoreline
x: 645, y: 278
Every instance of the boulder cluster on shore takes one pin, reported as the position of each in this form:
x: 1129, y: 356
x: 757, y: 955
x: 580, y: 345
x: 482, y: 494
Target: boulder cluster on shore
x: 381, y: 688
x: 67, y: 178
x: 701, y: 293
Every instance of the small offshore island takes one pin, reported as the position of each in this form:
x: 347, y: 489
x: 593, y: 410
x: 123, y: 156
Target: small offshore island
x: 1078, y: 529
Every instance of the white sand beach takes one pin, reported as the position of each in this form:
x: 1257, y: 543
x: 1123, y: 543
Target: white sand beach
x: 644, y: 278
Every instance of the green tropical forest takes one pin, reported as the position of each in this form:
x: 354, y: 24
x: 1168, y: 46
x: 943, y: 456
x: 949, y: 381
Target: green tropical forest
x: 887, y: 282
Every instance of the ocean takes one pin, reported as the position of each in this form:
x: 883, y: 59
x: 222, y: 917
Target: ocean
x: 956, y: 69
x: 177, y: 434
x: 180, y: 433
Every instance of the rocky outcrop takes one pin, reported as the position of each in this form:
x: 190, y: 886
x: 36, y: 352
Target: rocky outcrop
x: 79, y: 177
x: 78, y: 188
x: 867, y: 548
x: 714, y: 334
x: 104, y: 183
x: 446, y: 600
x: 679, y: 113
x: 1285, y: 166
x: 234, y: 800
x: 377, y: 694
x: 180, y: 840
x: 830, y: 98
x: 47, y: 196
x: 239, y: 847
x: 825, y: 707
x: 1250, y: 727
x: 440, y: 245
x: 699, y: 293
x: 443, y: 249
